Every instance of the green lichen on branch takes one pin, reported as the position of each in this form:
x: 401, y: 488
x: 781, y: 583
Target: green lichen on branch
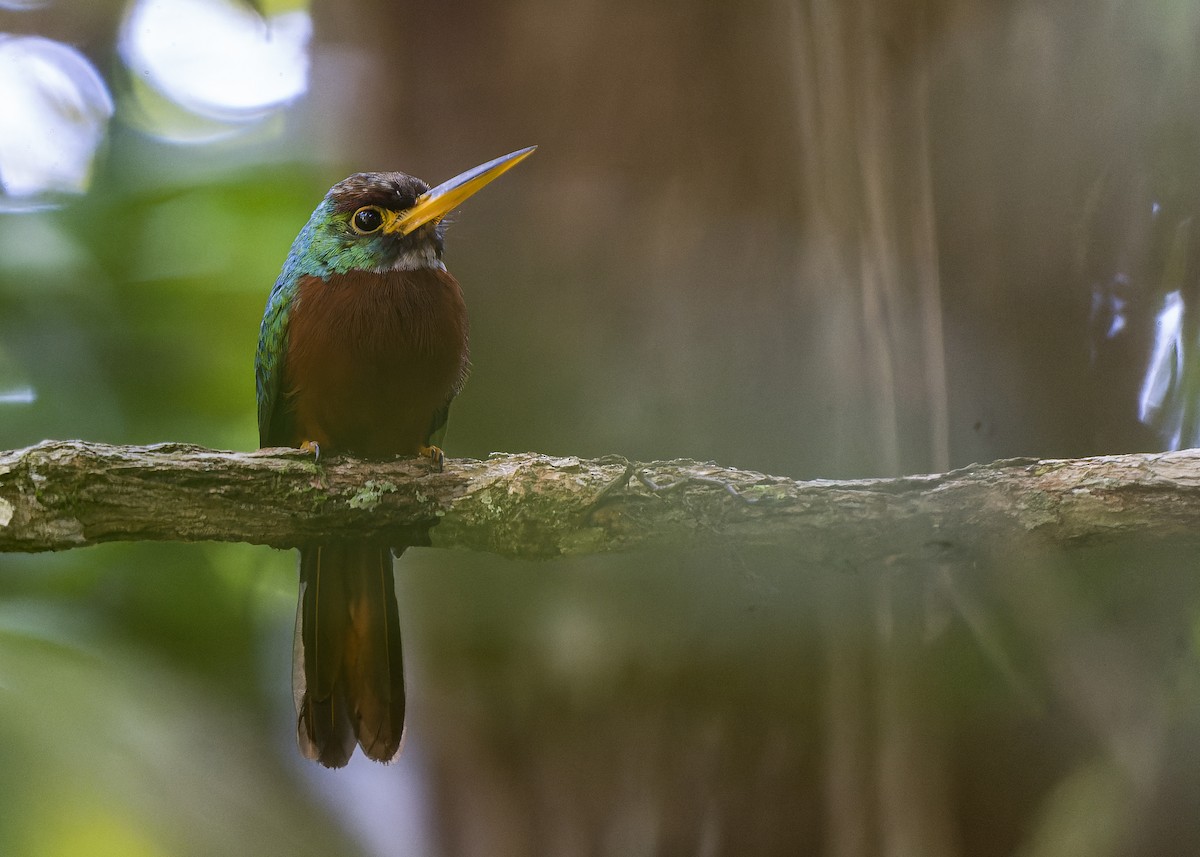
x: 369, y: 495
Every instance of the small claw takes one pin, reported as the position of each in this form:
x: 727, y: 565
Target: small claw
x: 313, y: 447
x: 435, y: 456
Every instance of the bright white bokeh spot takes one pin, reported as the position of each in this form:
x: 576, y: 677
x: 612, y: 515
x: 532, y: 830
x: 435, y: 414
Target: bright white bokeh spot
x: 218, y: 59
x: 1166, y: 358
x: 18, y: 396
x: 54, y: 111
x: 1164, y: 401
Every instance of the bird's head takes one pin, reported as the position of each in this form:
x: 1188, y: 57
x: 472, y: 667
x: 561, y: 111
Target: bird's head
x: 386, y: 221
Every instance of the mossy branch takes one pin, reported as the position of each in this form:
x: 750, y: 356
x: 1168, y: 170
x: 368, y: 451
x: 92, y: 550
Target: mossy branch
x: 65, y: 494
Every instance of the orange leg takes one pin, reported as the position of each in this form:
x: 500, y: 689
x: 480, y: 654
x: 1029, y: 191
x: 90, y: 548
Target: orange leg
x: 435, y: 455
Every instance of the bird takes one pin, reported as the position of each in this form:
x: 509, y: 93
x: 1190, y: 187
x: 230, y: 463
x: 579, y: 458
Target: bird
x: 363, y: 345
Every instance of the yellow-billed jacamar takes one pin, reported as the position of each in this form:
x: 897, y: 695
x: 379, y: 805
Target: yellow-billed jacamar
x: 363, y: 345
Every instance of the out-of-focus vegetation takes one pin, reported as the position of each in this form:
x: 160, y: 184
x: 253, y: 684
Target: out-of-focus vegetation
x: 816, y: 238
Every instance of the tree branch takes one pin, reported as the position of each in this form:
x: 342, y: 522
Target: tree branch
x: 64, y: 494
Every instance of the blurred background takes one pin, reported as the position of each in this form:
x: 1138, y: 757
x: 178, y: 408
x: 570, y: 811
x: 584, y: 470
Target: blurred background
x: 816, y: 238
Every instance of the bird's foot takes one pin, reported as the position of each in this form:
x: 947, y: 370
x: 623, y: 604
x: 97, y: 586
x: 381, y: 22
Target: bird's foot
x: 435, y: 456
x: 313, y: 447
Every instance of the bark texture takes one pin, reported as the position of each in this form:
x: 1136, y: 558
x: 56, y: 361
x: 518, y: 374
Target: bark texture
x: 65, y: 494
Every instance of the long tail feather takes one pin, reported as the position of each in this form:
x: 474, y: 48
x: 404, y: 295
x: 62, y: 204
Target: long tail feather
x: 348, y: 673
x: 373, y: 669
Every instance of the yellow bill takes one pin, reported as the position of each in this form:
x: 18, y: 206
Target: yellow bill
x: 437, y: 202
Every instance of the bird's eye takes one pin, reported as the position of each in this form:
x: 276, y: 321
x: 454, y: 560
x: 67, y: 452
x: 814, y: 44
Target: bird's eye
x: 367, y: 219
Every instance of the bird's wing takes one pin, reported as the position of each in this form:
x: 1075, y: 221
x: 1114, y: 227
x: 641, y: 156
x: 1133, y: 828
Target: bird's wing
x: 268, y: 359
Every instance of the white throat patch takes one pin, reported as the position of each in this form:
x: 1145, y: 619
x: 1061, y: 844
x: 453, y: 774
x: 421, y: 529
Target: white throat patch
x: 424, y: 256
